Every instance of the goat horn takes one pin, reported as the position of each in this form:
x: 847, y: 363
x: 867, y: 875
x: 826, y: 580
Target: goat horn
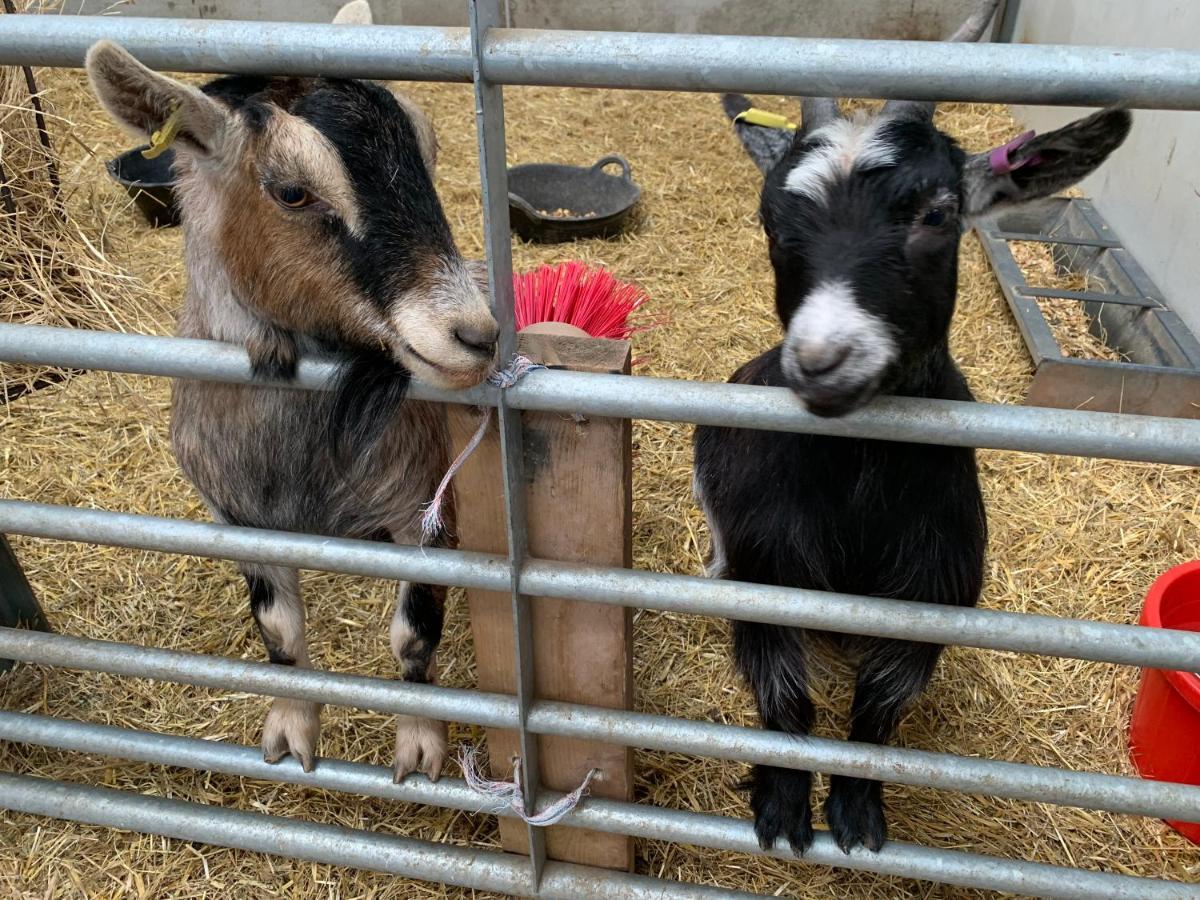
x: 972, y: 30
x: 816, y: 112
x: 968, y: 33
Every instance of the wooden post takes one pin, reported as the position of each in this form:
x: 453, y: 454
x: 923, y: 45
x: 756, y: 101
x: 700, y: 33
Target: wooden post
x: 579, y: 502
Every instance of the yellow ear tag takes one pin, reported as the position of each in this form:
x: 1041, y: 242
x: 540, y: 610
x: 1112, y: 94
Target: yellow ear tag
x: 165, y: 136
x: 756, y: 116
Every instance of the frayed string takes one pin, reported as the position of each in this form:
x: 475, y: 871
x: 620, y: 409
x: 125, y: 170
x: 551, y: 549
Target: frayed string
x: 509, y: 794
x: 431, y: 516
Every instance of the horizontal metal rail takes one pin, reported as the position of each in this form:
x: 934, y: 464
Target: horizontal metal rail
x: 597, y: 814
x: 922, y: 421
x: 944, y: 771
x: 1003, y: 73
x: 880, y: 617
x: 338, y: 846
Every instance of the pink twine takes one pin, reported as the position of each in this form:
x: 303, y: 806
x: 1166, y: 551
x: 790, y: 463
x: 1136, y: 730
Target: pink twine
x: 510, y: 794
x: 431, y: 515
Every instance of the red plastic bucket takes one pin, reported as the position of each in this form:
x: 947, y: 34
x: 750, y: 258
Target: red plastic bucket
x: 1164, y: 733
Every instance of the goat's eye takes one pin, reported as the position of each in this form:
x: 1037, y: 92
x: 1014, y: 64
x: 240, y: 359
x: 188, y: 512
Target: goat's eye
x: 934, y: 218
x: 293, y: 196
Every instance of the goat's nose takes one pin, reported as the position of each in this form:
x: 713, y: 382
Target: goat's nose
x: 480, y: 338
x: 821, y: 358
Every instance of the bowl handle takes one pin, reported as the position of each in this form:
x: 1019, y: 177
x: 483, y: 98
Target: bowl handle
x: 611, y: 160
x: 524, y: 205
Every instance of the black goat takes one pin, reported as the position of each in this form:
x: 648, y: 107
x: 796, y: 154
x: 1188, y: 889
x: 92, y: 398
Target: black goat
x: 863, y: 220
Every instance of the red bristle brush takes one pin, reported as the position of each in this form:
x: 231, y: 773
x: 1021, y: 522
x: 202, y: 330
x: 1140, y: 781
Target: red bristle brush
x: 569, y: 298
x: 590, y: 299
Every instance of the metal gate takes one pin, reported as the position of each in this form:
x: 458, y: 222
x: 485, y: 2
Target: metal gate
x: 490, y: 56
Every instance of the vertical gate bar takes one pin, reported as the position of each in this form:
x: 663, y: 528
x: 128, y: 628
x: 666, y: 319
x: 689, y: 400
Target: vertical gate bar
x: 19, y: 607
x: 489, y: 117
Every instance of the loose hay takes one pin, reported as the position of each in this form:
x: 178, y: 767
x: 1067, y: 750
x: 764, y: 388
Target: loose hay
x: 1069, y: 538
x: 53, y: 266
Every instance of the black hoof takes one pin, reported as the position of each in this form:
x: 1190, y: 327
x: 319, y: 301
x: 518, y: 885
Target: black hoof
x: 780, y: 801
x: 854, y: 812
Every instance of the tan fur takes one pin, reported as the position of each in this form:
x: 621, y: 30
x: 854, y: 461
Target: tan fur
x: 290, y: 149
x: 292, y: 727
x: 420, y: 747
x: 268, y: 278
x: 427, y: 316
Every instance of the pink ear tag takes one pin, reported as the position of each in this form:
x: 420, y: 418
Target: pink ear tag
x: 999, y: 159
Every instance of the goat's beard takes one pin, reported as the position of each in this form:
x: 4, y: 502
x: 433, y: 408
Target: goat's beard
x: 367, y: 394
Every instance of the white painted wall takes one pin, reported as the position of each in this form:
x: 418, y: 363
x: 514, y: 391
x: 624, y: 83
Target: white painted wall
x: 1149, y: 190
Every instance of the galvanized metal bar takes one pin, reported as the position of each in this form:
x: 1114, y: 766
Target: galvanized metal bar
x: 283, y: 548
x: 992, y: 426
x: 932, y: 70
x: 178, y: 667
x: 906, y: 419
x: 334, y: 845
x: 486, y: 15
x: 1089, y: 296
x: 1133, y: 645
x: 242, y: 47
x: 1113, y: 793
x: 597, y: 814
x: 929, y: 70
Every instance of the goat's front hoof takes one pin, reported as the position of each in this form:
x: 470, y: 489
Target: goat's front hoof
x: 420, y: 747
x: 854, y: 811
x: 292, y: 727
x: 781, y: 805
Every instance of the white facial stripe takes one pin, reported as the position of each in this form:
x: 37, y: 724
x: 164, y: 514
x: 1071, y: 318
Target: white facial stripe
x: 294, y: 149
x: 846, y: 144
x: 828, y: 325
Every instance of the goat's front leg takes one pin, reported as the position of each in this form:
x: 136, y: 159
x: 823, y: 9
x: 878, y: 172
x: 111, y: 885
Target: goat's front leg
x: 890, y: 676
x: 415, y: 634
x: 772, y: 660
x: 291, y: 726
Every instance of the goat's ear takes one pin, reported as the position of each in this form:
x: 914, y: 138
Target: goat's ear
x: 1035, y: 167
x: 142, y: 100
x: 357, y: 12
x: 766, y: 146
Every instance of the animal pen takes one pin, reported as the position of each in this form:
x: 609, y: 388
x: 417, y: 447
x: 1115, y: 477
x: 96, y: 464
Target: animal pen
x: 491, y: 56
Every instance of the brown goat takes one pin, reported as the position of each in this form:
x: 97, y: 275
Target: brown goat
x: 312, y: 226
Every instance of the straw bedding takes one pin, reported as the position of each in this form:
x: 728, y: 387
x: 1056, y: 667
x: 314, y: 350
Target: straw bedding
x: 1069, y: 537
x: 53, y: 266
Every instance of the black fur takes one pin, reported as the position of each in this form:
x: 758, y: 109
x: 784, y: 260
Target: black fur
x: 854, y: 516
x: 367, y: 393
x: 424, y: 610
x: 262, y: 597
x: 373, y: 134
x: 863, y: 517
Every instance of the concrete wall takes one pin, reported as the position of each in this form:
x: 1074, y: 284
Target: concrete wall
x: 1149, y: 190
x: 925, y: 19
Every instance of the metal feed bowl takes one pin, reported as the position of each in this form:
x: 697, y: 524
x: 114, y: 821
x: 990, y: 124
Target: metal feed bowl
x: 597, y: 204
